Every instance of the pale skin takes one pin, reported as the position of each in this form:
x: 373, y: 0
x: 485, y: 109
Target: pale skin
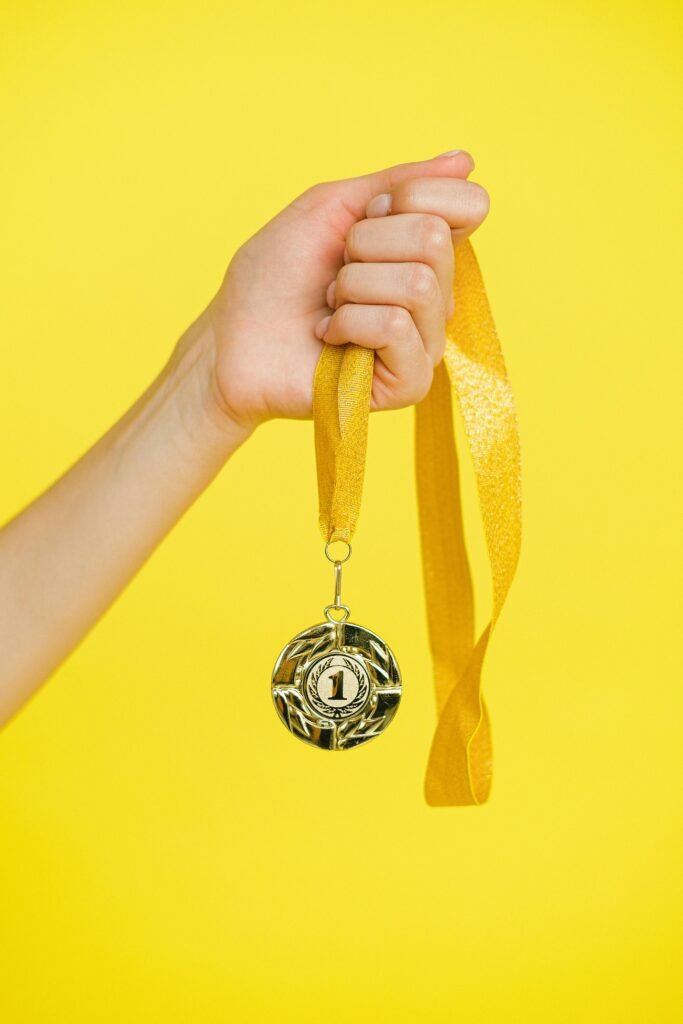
x: 367, y: 259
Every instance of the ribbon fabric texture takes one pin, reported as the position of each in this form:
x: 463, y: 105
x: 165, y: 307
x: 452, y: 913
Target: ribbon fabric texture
x: 459, y: 770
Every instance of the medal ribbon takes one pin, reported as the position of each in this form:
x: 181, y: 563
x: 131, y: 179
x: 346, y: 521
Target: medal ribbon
x: 459, y: 770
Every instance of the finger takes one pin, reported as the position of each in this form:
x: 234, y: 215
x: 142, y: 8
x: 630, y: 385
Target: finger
x: 414, y: 286
x: 404, y: 370
x: 357, y: 192
x: 409, y: 238
x: 462, y: 204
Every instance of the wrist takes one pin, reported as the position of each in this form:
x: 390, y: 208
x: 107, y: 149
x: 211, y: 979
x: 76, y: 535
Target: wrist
x: 190, y: 379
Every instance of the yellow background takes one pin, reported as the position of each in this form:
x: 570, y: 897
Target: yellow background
x: 167, y: 852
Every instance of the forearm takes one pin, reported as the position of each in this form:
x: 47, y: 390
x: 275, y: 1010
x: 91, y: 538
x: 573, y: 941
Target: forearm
x: 65, y: 558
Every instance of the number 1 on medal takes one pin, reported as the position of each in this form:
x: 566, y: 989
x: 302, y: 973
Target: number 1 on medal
x: 337, y: 686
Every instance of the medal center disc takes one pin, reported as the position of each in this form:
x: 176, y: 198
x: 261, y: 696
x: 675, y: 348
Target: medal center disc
x: 337, y: 685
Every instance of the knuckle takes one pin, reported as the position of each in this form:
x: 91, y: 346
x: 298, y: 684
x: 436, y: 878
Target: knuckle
x: 435, y: 236
x: 422, y: 284
x: 398, y: 322
x: 481, y: 200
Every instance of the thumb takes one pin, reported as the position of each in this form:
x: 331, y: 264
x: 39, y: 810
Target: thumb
x: 357, y: 192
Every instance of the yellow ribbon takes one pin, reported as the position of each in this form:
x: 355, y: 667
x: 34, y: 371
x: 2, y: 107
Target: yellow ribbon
x: 460, y: 763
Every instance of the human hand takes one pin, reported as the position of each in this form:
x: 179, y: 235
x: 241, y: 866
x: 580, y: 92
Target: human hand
x: 366, y: 259
x: 251, y: 355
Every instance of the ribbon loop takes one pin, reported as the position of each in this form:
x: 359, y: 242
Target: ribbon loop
x: 341, y: 404
x: 460, y: 761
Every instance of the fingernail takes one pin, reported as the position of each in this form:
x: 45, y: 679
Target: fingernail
x: 379, y: 205
x: 330, y: 294
x: 322, y: 326
x: 455, y: 152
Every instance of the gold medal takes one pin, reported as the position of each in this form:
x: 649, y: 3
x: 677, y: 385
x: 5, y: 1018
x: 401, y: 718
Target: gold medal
x: 336, y: 684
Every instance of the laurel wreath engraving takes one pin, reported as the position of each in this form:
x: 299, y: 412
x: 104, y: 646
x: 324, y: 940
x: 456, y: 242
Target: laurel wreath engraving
x: 348, y: 709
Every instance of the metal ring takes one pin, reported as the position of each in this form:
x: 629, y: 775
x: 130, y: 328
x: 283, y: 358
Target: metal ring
x: 331, y: 618
x: 329, y: 556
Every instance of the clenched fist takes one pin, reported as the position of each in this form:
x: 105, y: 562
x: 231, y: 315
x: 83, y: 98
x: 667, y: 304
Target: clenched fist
x: 368, y: 260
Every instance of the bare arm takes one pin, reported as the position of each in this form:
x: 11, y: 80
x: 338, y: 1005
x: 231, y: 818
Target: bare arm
x: 66, y: 557
x: 367, y: 259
